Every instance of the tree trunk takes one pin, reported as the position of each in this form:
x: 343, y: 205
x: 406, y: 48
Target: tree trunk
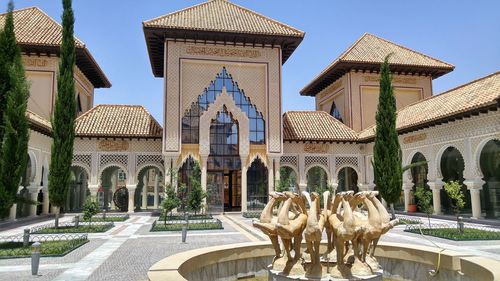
x: 56, y: 222
x: 393, y: 212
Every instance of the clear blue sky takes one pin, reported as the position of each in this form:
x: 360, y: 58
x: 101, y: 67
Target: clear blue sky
x: 463, y: 33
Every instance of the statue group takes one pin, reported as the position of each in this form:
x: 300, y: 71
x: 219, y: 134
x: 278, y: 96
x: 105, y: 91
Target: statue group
x: 353, y: 224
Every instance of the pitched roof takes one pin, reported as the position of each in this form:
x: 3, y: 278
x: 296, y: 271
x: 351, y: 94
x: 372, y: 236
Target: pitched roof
x: 37, y: 32
x: 367, y: 53
x: 107, y: 120
x: 218, y: 20
x: 38, y: 123
x: 479, y: 95
x: 315, y: 126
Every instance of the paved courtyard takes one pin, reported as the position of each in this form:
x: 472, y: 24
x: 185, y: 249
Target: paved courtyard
x: 126, y: 251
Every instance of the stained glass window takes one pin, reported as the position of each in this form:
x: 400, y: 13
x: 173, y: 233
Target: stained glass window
x: 191, y: 119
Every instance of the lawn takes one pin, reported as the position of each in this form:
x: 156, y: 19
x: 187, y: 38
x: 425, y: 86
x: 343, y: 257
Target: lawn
x: 48, y: 248
x: 212, y: 224
x: 454, y: 234
x: 73, y: 229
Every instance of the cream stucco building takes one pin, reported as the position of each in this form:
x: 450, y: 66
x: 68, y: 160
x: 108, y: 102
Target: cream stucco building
x: 221, y: 67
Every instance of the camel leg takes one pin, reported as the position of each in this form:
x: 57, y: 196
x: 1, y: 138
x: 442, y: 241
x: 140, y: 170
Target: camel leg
x: 340, y: 252
x: 366, y: 244
x: 375, y: 242
x: 311, y: 250
x: 286, y: 245
x: 276, y: 246
x: 296, y: 246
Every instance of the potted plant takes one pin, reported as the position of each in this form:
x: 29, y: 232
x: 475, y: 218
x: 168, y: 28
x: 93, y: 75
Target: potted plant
x: 412, y: 207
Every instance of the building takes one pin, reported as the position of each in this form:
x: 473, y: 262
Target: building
x: 221, y: 66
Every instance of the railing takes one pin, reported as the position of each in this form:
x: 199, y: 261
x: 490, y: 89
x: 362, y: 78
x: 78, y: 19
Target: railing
x: 15, y: 246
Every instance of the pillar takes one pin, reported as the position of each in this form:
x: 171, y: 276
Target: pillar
x: 270, y: 174
x: 474, y: 186
x: 302, y: 186
x: 407, y: 188
x: 144, y: 202
x: 436, y: 187
x: 131, y: 197
x: 45, y: 206
x: 12, y: 213
x: 156, y: 199
x: 244, y: 187
x: 33, y: 191
x: 93, y: 188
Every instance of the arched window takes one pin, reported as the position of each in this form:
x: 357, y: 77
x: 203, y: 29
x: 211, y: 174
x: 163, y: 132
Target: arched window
x: 335, y: 112
x: 191, y: 119
x: 224, y: 150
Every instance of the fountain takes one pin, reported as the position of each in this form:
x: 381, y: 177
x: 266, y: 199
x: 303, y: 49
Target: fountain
x: 352, y: 233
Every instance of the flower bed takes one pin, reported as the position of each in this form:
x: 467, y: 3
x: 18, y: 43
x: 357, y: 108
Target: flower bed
x: 51, y: 245
x: 83, y: 227
x: 451, y: 232
x: 192, y: 225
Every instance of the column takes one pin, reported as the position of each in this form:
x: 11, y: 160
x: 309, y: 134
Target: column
x: 203, y: 167
x: 131, y: 197
x: 12, y: 213
x: 436, y: 187
x: 407, y: 188
x: 244, y: 188
x: 114, y: 180
x: 45, y: 206
x: 270, y: 174
x: 33, y: 191
x: 302, y: 186
x: 474, y: 186
x: 93, y: 188
x: 156, y: 199
x: 144, y: 192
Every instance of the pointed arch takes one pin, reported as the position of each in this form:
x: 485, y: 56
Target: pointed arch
x: 223, y: 82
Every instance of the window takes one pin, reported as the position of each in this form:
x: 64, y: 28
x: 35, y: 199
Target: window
x: 78, y: 104
x: 191, y: 119
x: 335, y: 112
x: 224, y: 150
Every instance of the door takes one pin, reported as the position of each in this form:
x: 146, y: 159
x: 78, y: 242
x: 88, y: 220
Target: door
x: 232, y: 191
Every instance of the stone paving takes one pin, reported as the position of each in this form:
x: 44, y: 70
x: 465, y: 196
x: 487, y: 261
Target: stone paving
x: 126, y: 251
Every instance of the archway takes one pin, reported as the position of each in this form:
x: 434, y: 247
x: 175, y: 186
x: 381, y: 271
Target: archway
x: 78, y: 190
x: 489, y: 162
x: 147, y: 193
x: 113, y: 194
x: 418, y: 173
x: 257, y: 186
x: 188, y: 173
x: 317, y: 179
x: 452, y: 169
x: 348, y: 179
x: 288, y: 179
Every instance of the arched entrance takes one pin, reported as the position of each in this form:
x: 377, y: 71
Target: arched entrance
x: 147, y: 193
x: 288, y: 179
x: 78, y: 190
x: 257, y: 186
x: 224, y: 164
x: 348, y: 179
x: 452, y: 169
x: 489, y: 162
x: 317, y: 179
x: 419, y: 173
x: 189, y: 172
x: 113, y: 194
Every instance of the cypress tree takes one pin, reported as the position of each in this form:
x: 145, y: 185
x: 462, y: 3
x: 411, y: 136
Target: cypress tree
x: 387, y: 152
x: 14, y: 150
x: 63, y: 121
x: 8, y: 51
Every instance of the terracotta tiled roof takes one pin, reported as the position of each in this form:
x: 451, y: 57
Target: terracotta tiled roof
x: 38, y: 123
x: 217, y: 21
x: 118, y: 121
x: 368, y: 52
x: 223, y: 16
x: 37, y: 32
x: 315, y: 126
x: 478, y: 95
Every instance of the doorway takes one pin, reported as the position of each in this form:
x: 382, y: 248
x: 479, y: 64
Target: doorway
x: 232, y: 191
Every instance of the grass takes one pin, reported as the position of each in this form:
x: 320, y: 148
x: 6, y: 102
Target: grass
x: 409, y: 221
x: 159, y: 226
x: 110, y: 219
x: 48, y: 248
x: 252, y: 214
x: 191, y: 217
x: 453, y: 233
x: 79, y: 229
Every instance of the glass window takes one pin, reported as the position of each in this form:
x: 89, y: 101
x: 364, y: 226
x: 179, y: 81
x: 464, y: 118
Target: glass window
x: 191, y: 120
x: 224, y: 152
x: 335, y: 112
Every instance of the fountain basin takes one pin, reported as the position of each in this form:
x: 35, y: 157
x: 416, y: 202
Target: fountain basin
x: 399, y: 261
